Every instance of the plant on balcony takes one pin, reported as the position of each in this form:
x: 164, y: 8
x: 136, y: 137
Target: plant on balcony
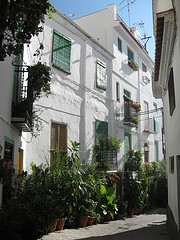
x: 39, y: 78
x: 136, y: 106
x: 134, y: 120
x: 133, y: 65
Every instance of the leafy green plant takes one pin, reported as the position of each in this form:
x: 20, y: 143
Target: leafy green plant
x: 134, y: 160
x: 19, y: 21
x: 39, y: 78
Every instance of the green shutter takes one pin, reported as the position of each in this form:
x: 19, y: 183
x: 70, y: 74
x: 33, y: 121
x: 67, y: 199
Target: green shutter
x: 101, y: 130
x: 61, y: 52
x: 156, y: 126
x: 130, y: 54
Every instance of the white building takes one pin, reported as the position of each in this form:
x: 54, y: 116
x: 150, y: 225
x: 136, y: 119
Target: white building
x: 81, y: 91
x: 10, y: 136
x: 129, y: 82
x: 166, y: 85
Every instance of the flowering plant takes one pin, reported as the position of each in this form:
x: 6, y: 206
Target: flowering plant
x: 6, y: 170
x: 112, y: 179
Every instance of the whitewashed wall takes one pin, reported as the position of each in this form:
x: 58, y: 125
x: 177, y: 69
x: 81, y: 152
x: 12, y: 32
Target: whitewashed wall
x: 75, y: 100
x: 6, y: 93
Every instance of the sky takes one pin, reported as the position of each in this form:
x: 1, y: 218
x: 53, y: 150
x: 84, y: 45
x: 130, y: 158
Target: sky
x: 140, y: 12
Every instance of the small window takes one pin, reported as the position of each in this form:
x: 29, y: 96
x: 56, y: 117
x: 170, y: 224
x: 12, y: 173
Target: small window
x: 127, y: 95
x: 144, y: 68
x: 101, y: 75
x: 117, y: 92
x: 171, y: 91
x: 61, y: 52
x: 58, y: 140
x: 171, y: 163
x: 130, y: 54
x: 119, y: 45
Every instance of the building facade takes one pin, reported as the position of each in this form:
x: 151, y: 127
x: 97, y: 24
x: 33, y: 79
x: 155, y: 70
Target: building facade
x: 132, y: 71
x: 80, y: 103
x: 166, y: 85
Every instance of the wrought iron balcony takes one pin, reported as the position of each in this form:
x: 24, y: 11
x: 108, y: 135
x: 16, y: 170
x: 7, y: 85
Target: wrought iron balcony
x: 133, y: 65
x: 108, y: 156
x: 149, y: 125
x: 131, y: 110
x: 22, y: 100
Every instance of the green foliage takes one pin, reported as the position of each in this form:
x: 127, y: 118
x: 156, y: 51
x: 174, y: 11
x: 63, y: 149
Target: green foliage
x: 108, y: 144
x: 19, y: 21
x: 151, y: 168
x: 39, y: 78
x: 134, y: 160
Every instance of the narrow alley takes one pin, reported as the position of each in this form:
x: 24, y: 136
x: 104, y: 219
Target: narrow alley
x: 145, y: 226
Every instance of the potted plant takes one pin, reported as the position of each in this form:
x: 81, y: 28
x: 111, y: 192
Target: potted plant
x: 133, y: 65
x: 39, y: 79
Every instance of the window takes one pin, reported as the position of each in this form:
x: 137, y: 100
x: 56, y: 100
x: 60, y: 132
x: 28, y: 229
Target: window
x: 117, y: 92
x: 127, y: 95
x: 58, y: 140
x: 156, y: 122
x: 156, y: 151
x: 144, y: 68
x: 146, y: 122
x: 127, y: 108
x: 101, y: 75
x: 130, y: 54
x: 171, y: 91
x: 61, y: 52
x: 171, y: 163
x: 119, y: 45
x: 101, y: 136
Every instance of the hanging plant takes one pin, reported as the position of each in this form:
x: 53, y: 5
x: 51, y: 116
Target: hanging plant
x: 39, y: 79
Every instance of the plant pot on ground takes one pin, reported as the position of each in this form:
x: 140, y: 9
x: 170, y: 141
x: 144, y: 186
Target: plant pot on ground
x: 60, y: 224
x: 83, y: 221
x: 53, y: 225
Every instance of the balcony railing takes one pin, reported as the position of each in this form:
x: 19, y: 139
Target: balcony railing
x: 131, y: 110
x: 108, y: 156
x: 133, y: 65
x: 22, y: 102
x: 149, y: 125
x: 146, y: 80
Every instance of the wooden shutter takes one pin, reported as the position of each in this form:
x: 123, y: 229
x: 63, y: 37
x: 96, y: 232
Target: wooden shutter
x: 61, y: 52
x: 58, y: 140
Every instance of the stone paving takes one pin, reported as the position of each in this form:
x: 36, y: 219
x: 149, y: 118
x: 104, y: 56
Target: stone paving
x: 145, y: 226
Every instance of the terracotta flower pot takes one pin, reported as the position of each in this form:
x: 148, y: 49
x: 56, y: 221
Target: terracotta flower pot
x: 60, y: 224
x: 131, y: 212
x: 90, y: 221
x: 83, y: 221
x: 107, y: 218
x: 53, y: 225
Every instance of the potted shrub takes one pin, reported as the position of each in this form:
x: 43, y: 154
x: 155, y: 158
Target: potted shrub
x: 39, y: 79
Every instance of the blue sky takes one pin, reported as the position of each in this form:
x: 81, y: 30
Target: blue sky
x: 140, y: 11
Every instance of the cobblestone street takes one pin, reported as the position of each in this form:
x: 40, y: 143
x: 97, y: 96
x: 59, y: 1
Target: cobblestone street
x: 145, y: 226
